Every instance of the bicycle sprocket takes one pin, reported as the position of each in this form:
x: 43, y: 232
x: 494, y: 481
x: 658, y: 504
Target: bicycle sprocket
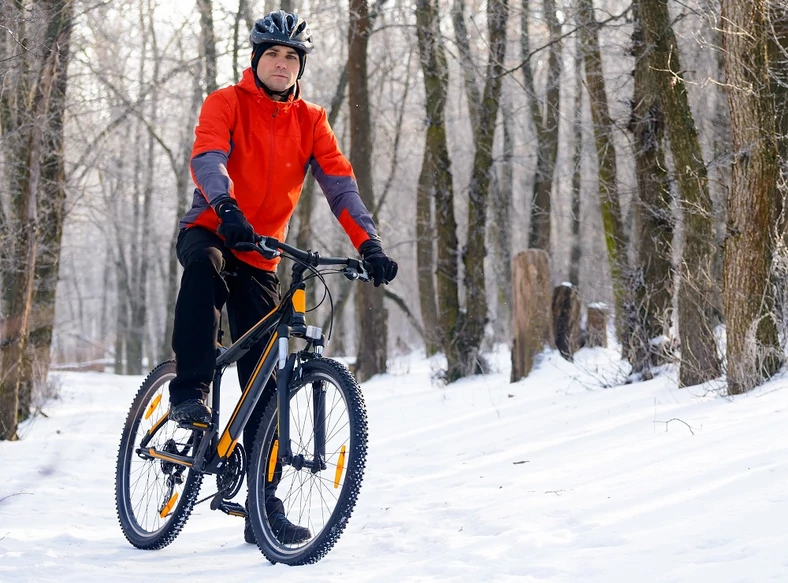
x: 230, y: 479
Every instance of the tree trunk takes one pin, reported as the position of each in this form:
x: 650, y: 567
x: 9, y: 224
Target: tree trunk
x: 51, y: 212
x: 532, y: 311
x: 699, y: 362
x: 777, y: 46
x: 651, y: 283
x: 499, y: 232
x: 144, y: 176
x: 476, y: 300
x: 372, y: 315
x: 435, y: 75
x: 576, y: 253
x: 208, y: 43
x: 753, y: 348
x: 615, y: 238
x: 566, y: 307
x: 546, y: 128
x: 26, y: 177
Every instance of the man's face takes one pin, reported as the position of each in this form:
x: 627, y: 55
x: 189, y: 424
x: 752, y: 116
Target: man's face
x: 278, y: 67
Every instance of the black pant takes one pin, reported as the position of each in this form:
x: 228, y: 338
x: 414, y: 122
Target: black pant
x: 249, y: 293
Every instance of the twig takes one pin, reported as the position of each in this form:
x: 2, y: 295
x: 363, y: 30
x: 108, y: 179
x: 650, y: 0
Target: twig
x: 676, y: 419
x: 11, y: 496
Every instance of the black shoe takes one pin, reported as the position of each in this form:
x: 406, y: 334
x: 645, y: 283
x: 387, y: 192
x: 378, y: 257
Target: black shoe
x: 285, y: 531
x: 191, y: 411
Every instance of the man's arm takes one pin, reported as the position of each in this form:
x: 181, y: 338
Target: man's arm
x: 335, y: 176
x: 212, y: 146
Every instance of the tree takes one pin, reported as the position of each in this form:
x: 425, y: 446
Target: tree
x: 28, y: 116
x: 435, y: 184
x: 651, y: 277
x: 753, y: 348
x: 372, y: 315
x: 615, y: 239
x: 576, y: 253
x: 699, y: 362
x: 501, y: 191
x: 472, y: 333
x: 545, y: 119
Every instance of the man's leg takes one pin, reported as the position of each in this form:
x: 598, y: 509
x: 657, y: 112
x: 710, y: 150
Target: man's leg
x: 202, y: 294
x: 253, y: 293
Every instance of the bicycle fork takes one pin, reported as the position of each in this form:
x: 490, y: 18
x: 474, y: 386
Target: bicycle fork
x: 286, y: 367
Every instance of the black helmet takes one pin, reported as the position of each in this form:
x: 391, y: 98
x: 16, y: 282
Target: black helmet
x: 283, y: 28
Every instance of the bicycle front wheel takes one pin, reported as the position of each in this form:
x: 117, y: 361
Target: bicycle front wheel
x: 299, y: 511
x: 154, y: 497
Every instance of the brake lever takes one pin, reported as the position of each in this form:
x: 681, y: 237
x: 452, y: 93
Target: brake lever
x: 259, y: 247
x: 357, y: 271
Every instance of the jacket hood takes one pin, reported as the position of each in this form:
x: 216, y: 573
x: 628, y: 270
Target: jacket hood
x: 249, y: 84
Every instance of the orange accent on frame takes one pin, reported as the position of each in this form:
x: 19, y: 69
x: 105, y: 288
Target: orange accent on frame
x: 299, y: 301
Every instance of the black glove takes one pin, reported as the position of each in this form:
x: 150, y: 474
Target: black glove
x: 382, y: 268
x: 234, y: 227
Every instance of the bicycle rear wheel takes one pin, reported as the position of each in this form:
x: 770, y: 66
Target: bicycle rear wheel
x: 154, y: 497
x: 319, y: 499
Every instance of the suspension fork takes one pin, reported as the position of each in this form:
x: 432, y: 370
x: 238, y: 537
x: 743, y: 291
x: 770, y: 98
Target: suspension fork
x: 283, y: 375
x: 319, y: 416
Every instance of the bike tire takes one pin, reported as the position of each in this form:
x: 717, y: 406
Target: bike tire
x: 151, y: 514
x: 320, y: 501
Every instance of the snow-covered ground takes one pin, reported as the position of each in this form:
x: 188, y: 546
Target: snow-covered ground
x: 566, y: 476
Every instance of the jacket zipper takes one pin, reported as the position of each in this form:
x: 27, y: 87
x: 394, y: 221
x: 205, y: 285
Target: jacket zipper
x: 271, y: 152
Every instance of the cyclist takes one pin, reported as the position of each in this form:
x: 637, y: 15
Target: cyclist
x: 254, y: 141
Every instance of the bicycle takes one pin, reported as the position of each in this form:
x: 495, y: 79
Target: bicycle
x: 310, y: 447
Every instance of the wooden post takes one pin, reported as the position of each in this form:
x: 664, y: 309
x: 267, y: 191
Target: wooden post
x: 566, y: 319
x: 596, y: 325
x: 532, y: 317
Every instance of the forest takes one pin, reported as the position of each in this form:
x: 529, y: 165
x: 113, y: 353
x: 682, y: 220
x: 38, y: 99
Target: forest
x: 633, y: 152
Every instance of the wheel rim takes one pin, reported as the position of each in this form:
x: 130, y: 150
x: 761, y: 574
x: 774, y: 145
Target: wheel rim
x: 309, y: 499
x: 153, y: 489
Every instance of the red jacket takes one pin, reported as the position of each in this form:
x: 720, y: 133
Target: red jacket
x: 256, y: 150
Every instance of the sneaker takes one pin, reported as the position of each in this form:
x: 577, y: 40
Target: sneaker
x: 285, y: 531
x: 191, y: 411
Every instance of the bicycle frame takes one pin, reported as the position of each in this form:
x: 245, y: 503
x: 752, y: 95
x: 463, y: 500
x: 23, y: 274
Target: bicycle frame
x: 285, y: 321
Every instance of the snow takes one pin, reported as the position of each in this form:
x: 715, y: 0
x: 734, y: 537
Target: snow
x: 566, y: 476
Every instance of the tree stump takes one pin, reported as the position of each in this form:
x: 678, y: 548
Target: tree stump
x: 566, y: 319
x: 531, y: 309
x: 596, y: 325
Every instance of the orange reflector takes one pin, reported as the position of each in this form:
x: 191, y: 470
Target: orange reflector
x: 167, y: 507
x: 153, y: 406
x: 299, y: 301
x: 272, y: 460
x: 340, y: 466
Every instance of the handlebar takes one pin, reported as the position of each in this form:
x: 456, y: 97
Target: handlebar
x: 269, y: 247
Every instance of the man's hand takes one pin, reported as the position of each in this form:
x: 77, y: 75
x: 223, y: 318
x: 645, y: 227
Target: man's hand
x: 234, y: 227
x: 383, y: 269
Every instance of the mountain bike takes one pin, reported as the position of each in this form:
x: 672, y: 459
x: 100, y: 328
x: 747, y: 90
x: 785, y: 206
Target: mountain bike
x: 310, y: 447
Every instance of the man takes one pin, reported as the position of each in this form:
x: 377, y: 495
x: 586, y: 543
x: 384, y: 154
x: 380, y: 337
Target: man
x: 254, y: 141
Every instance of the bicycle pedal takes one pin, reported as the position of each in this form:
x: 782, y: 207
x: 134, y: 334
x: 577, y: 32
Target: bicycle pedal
x: 195, y: 425
x: 231, y: 508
